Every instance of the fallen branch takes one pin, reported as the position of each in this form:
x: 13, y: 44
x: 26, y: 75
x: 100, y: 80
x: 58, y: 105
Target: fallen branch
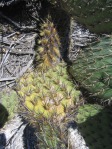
x: 5, y: 56
x: 7, y: 79
x: 19, y: 52
x: 7, y: 84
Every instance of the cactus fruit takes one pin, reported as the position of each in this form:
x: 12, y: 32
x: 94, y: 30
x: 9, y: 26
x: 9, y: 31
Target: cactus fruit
x: 94, y: 14
x: 48, y: 51
x: 93, y: 70
x: 50, y: 93
x: 94, y: 124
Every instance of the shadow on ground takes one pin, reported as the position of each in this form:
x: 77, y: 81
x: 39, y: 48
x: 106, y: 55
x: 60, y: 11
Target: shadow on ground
x: 2, y: 141
x: 97, y: 129
x: 29, y: 137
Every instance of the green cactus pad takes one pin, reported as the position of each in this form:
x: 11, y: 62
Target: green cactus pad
x: 93, y: 69
x: 94, y: 14
x: 9, y: 104
x: 94, y: 124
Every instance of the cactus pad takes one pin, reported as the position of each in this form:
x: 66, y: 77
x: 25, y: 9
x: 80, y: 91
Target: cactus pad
x: 94, y: 123
x: 8, y: 106
x: 94, y: 14
x: 93, y: 69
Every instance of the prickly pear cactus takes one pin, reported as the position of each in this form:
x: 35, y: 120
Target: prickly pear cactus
x: 94, y: 124
x: 94, y: 14
x: 8, y: 105
x: 9, y: 99
x: 93, y: 69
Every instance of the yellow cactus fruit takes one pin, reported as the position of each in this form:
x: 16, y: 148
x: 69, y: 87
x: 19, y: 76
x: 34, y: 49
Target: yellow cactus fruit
x: 29, y: 105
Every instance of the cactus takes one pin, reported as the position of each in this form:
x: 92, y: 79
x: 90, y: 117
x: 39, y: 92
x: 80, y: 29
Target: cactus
x: 47, y: 94
x: 57, y: 91
x: 49, y: 98
x: 48, y: 51
x: 93, y: 70
x: 94, y: 124
x: 8, y: 109
x: 50, y: 93
x: 94, y: 14
x: 3, y: 115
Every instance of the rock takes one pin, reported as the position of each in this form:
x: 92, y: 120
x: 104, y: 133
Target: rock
x: 17, y: 134
x: 76, y: 141
x: 79, y: 37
